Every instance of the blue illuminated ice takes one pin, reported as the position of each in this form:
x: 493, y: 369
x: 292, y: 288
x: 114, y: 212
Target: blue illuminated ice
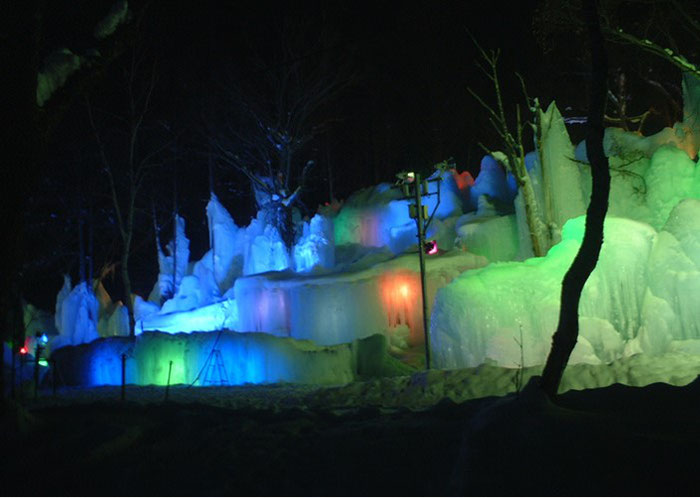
x: 316, y: 246
x: 178, y: 248
x: 76, y: 314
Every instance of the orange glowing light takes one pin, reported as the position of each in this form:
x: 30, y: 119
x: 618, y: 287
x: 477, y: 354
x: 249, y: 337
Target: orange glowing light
x: 404, y: 290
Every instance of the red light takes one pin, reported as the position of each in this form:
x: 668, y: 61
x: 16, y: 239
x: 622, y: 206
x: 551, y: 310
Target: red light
x: 23, y: 350
x: 431, y: 247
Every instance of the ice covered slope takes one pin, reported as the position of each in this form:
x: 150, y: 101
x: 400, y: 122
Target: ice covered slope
x: 342, y: 307
x: 640, y: 298
x: 247, y: 358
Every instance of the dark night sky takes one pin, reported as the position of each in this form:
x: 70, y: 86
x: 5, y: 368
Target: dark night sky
x: 408, y: 108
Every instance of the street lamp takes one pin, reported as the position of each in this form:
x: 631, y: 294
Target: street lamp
x: 414, y: 189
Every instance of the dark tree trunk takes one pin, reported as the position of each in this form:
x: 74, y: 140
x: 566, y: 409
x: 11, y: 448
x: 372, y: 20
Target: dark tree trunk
x: 127, y: 293
x: 566, y: 335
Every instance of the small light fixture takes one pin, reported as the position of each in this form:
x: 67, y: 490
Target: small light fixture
x: 431, y: 247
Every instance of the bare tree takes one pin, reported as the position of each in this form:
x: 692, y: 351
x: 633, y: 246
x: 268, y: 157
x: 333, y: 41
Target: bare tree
x: 128, y: 159
x: 513, y: 156
x: 22, y: 29
x: 274, y: 111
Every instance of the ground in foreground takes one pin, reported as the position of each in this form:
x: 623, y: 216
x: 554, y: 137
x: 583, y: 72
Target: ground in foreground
x: 614, y: 440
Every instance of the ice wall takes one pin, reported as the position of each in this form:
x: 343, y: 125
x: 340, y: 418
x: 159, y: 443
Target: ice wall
x: 254, y: 358
x: 638, y: 299
x: 341, y: 307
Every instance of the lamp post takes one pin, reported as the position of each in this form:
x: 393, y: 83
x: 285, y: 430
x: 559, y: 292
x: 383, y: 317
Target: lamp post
x: 414, y: 189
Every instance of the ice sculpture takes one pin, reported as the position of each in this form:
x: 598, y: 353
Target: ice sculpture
x: 226, y: 245
x: 218, y: 316
x: 378, y: 217
x: 76, y: 314
x: 247, y: 358
x: 178, y: 248
x: 316, y: 246
x: 490, y: 181
x: 640, y: 298
x: 342, y: 307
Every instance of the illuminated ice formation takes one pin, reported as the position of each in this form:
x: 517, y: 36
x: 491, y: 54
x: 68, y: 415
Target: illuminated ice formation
x: 76, y: 314
x: 490, y: 181
x: 226, y: 254
x: 378, y: 217
x: 217, y: 316
x: 316, y: 246
x: 342, y: 307
x: 639, y: 299
x: 178, y: 248
x: 254, y: 358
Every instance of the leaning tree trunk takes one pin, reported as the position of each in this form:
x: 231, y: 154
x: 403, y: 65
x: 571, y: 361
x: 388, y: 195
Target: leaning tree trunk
x: 538, y: 231
x: 586, y: 259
